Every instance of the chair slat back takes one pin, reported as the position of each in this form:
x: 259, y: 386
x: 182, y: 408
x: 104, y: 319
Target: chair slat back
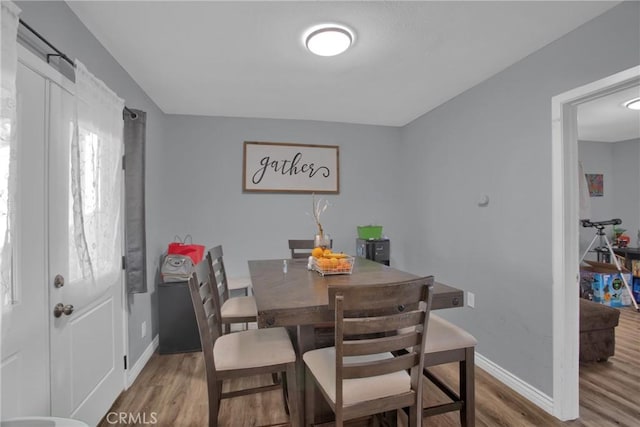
x: 389, y: 322
x: 380, y: 367
x: 367, y: 322
x: 302, y: 245
x: 383, y: 344
x: 218, y: 273
x: 207, y: 312
x: 297, y: 245
x: 383, y: 297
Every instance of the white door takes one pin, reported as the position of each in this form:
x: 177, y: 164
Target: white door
x: 25, y: 323
x: 81, y: 348
x: 85, y: 267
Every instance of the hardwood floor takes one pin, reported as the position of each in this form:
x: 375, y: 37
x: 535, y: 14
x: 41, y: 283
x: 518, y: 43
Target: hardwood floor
x: 171, y: 392
x: 610, y: 391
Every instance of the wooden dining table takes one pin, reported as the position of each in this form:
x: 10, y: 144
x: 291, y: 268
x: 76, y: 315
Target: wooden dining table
x: 297, y: 298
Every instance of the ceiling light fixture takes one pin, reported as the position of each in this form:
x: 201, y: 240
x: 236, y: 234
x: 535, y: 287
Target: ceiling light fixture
x: 633, y: 104
x: 329, y: 40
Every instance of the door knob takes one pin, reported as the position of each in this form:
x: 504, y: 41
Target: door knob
x: 61, y: 309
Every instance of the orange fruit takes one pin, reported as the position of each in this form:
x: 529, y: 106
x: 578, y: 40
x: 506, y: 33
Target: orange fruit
x: 327, y: 252
x: 333, y: 262
x: 317, y: 252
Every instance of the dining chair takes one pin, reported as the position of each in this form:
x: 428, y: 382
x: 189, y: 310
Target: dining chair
x: 360, y: 376
x: 303, y: 245
x: 241, y: 309
x: 241, y: 354
x: 240, y: 283
x: 447, y: 343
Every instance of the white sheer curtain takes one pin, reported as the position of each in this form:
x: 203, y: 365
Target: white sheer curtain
x: 8, y: 117
x: 95, y: 236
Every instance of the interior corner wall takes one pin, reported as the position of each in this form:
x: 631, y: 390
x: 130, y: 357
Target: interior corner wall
x: 58, y: 24
x: 202, y: 173
x: 597, y: 158
x: 626, y: 196
x: 495, y: 140
x: 619, y: 163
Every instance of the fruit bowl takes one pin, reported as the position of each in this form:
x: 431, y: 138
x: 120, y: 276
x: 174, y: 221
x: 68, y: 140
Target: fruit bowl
x: 334, y: 264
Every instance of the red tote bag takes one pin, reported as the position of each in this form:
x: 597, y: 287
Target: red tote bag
x: 193, y: 251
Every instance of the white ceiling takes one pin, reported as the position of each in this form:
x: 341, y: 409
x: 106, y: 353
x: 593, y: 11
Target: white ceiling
x: 247, y: 59
x: 606, y: 119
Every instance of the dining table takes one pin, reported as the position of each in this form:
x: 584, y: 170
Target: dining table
x: 288, y: 294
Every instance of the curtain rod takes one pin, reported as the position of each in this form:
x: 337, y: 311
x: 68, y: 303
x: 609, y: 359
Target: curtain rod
x: 61, y: 54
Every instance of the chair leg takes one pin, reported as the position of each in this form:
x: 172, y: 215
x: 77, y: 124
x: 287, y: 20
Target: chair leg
x: 415, y: 415
x: 285, y: 391
x: 467, y: 389
x: 295, y: 413
x: 309, y: 398
x: 215, y: 396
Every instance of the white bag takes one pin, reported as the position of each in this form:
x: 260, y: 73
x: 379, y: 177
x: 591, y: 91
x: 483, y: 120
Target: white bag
x: 176, y: 268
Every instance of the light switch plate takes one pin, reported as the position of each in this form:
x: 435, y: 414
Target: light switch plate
x: 471, y: 299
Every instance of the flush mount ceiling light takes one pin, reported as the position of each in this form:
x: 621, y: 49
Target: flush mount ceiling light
x: 328, y: 40
x: 633, y: 104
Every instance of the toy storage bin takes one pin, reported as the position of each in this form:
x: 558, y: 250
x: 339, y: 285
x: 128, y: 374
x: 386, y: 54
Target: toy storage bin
x: 369, y: 232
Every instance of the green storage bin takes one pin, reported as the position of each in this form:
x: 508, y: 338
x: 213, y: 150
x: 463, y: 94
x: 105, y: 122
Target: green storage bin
x: 370, y: 232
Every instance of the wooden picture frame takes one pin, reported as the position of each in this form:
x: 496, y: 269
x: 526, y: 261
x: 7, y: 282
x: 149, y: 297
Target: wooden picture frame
x: 290, y: 168
x: 595, y: 181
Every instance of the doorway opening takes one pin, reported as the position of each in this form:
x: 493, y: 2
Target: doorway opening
x: 565, y: 235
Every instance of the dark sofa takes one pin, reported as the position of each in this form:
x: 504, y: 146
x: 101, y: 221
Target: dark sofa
x: 597, y: 331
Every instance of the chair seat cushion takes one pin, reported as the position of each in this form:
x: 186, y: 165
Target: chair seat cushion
x: 253, y: 348
x: 235, y: 283
x: 322, y: 363
x: 443, y: 335
x: 239, y: 307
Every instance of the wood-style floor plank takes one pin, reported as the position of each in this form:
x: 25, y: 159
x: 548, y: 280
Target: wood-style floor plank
x: 173, y: 388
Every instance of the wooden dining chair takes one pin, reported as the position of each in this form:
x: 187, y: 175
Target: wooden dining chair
x: 302, y: 245
x: 241, y: 354
x: 241, y: 309
x: 448, y: 343
x: 240, y: 283
x: 360, y: 376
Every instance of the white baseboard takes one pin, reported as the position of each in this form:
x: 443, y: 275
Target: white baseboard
x: 521, y: 387
x: 135, y: 370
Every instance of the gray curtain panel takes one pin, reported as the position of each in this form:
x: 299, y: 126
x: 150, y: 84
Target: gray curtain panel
x: 135, y: 128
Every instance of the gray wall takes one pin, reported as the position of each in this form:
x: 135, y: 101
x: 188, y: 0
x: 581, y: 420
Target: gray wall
x: 203, y: 159
x: 626, y: 178
x: 495, y: 139
x: 58, y: 24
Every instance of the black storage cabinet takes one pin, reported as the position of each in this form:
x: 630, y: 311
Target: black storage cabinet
x: 376, y: 250
x: 178, y: 330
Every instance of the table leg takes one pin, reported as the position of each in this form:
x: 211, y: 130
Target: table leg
x: 304, y: 342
